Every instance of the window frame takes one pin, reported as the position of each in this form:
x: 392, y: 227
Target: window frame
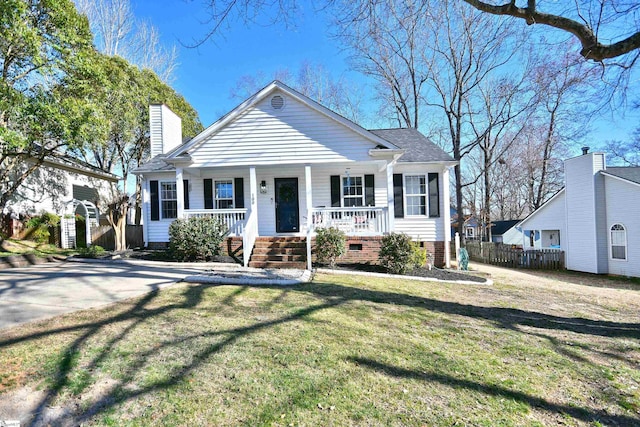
x: 162, y: 199
x: 343, y: 197
x: 215, y: 193
x: 623, y: 230
x: 425, y: 195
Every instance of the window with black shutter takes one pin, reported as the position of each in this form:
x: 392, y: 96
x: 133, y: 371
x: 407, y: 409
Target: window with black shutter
x: 398, y: 196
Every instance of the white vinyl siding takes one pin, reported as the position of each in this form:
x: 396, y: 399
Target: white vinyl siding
x: 550, y: 216
x: 623, y: 205
x: 296, y: 134
x: 157, y: 231
x: 421, y: 227
x: 586, y: 244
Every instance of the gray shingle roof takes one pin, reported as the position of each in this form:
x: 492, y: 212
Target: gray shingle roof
x: 157, y: 164
x: 498, y: 228
x: 630, y: 173
x: 418, y: 148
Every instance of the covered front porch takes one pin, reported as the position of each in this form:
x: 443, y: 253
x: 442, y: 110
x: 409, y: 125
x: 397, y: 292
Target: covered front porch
x: 290, y: 201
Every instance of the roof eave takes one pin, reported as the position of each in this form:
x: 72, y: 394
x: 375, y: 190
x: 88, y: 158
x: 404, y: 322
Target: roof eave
x: 84, y: 171
x: 386, y: 153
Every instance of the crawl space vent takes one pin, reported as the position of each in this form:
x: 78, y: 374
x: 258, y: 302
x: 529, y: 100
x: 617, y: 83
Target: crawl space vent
x: 277, y: 102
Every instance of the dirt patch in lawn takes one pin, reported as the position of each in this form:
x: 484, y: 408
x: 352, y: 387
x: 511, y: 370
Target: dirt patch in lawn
x: 433, y: 273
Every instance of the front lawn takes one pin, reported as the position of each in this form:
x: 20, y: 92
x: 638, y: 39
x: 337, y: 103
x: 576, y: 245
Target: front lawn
x: 10, y: 247
x: 338, y: 351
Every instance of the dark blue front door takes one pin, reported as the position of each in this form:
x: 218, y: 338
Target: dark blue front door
x: 287, y: 209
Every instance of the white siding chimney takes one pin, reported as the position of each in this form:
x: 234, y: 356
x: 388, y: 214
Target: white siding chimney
x: 586, y: 215
x: 165, y: 129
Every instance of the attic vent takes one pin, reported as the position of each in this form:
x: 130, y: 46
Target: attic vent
x: 277, y: 102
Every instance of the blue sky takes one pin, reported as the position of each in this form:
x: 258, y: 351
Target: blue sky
x: 207, y: 74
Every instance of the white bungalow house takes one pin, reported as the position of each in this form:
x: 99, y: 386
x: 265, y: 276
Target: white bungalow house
x: 280, y: 165
x: 594, y: 218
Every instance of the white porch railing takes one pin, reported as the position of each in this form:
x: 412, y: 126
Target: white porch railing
x: 352, y: 221
x: 234, y: 219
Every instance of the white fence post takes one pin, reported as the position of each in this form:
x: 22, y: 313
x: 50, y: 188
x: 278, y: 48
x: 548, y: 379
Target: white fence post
x: 457, y: 240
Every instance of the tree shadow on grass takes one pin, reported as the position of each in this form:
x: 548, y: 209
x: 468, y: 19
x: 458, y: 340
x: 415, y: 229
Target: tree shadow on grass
x: 327, y: 295
x: 583, y: 414
x: 507, y: 318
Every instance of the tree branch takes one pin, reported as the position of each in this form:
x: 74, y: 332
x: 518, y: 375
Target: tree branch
x: 592, y: 48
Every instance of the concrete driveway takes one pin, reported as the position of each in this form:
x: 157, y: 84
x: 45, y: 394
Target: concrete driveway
x: 47, y: 290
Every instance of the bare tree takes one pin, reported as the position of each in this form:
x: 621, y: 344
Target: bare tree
x: 466, y: 48
x: 589, y: 21
x: 627, y: 152
x: 505, y: 104
x: 118, y: 32
x: 565, y: 100
x: 386, y: 40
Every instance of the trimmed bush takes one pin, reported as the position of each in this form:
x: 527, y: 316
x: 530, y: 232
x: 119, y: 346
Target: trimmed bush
x: 398, y: 254
x: 40, y: 225
x: 93, y: 251
x: 330, y: 245
x: 196, y: 239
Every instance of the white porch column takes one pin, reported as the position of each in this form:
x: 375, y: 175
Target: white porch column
x: 180, y: 192
x: 251, y: 225
x: 446, y: 218
x: 253, y: 185
x: 390, y: 200
x: 308, y: 196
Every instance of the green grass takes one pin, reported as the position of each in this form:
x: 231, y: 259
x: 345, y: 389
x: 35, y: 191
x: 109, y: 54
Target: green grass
x: 9, y: 247
x: 338, y: 351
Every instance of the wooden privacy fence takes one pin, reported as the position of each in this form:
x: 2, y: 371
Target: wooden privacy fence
x: 507, y: 256
x: 104, y: 236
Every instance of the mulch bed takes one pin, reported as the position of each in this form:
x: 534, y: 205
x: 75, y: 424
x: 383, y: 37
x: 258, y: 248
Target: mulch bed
x: 434, y: 273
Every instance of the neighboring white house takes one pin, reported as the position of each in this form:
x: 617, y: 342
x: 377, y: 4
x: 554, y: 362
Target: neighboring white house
x: 594, y: 219
x: 280, y: 164
x: 57, y: 182
x: 65, y: 186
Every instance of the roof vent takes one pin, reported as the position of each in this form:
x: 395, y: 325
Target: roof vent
x: 277, y: 102
x: 585, y: 150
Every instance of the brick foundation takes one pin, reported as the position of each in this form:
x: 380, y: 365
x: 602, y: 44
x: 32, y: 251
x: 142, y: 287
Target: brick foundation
x: 365, y: 249
x: 360, y: 249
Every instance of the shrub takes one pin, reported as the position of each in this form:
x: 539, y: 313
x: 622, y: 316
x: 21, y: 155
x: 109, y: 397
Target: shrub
x: 398, y: 254
x: 196, y: 239
x: 330, y: 245
x: 40, y: 225
x: 93, y: 251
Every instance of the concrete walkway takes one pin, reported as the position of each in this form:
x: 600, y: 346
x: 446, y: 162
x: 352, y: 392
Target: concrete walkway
x: 47, y: 290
